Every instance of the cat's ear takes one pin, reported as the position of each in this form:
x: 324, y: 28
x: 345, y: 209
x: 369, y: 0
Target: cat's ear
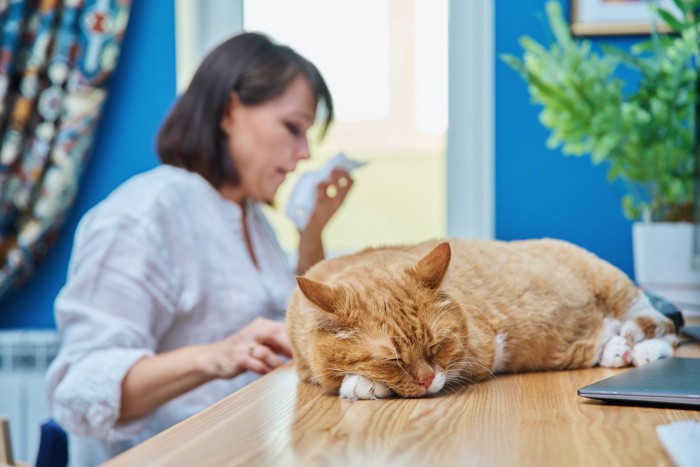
x: 431, y: 269
x: 321, y: 295
x: 326, y: 299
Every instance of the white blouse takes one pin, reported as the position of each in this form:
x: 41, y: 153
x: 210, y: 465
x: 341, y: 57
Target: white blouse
x: 159, y: 264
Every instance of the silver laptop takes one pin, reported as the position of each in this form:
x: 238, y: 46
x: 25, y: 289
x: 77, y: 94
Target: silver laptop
x: 667, y: 381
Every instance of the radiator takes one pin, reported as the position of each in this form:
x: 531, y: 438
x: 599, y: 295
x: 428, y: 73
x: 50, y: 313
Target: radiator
x: 24, y: 357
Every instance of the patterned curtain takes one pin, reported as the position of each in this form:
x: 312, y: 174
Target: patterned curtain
x: 55, y: 60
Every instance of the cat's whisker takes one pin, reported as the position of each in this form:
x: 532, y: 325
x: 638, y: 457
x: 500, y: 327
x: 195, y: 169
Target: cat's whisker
x: 456, y: 339
x: 477, y: 364
x: 456, y: 384
x: 469, y: 364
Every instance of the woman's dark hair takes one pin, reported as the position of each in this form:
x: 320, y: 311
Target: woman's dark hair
x: 253, y: 67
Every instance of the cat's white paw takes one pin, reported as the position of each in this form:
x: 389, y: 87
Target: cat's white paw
x: 651, y: 350
x: 616, y: 353
x: 358, y: 387
x: 632, y: 332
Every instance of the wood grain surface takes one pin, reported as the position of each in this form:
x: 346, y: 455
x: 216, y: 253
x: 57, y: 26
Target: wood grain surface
x: 524, y: 419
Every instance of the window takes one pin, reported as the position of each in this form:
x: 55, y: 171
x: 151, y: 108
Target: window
x: 386, y: 63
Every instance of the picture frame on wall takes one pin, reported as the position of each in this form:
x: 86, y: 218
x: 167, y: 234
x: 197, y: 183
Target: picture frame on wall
x: 615, y: 17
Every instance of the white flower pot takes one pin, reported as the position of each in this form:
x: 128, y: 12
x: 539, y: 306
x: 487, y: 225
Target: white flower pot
x: 663, y: 262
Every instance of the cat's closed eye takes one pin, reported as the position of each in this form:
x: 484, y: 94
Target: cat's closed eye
x: 389, y: 364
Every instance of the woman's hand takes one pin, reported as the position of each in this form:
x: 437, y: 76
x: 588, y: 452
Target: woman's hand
x: 257, y: 347
x: 330, y: 196
x: 155, y: 380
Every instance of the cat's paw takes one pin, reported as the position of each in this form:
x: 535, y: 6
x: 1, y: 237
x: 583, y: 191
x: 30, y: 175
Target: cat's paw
x: 632, y: 332
x: 651, y: 350
x: 358, y: 387
x: 646, y: 325
x: 616, y: 353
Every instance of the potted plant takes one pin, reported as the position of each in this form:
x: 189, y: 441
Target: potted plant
x: 644, y: 131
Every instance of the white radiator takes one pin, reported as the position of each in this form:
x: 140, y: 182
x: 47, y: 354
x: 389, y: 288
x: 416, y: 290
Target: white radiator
x: 24, y: 357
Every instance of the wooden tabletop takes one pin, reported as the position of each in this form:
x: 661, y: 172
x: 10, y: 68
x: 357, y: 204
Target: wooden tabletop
x: 525, y: 419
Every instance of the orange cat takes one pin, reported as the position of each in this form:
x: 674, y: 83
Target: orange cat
x: 408, y: 320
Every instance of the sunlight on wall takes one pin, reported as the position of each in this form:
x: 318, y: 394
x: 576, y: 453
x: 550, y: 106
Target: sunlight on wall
x: 385, y: 62
x: 431, y: 66
x: 320, y: 32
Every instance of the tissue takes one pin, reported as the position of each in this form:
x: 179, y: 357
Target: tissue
x: 303, y: 198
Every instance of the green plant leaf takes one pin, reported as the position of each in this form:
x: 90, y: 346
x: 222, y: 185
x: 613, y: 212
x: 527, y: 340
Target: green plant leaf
x: 670, y: 19
x: 644, y: 128
x: 682, y: 6
x: 513, y: 62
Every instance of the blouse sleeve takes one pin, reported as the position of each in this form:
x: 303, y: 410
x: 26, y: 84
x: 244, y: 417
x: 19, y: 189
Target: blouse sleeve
x: 118, y: 300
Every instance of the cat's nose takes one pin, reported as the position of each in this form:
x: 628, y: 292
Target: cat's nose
x: 427, y: 381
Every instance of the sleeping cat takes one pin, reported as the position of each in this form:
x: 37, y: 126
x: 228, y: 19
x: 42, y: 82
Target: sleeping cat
x: 407, y: 320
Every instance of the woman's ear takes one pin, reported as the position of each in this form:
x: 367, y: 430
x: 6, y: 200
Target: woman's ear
x: 227, y: 117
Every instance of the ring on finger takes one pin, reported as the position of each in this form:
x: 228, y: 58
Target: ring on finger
x: 251, y: 347
x: 331, y: 191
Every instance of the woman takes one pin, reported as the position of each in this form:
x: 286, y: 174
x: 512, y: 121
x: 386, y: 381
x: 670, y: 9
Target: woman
x: 177, y: 285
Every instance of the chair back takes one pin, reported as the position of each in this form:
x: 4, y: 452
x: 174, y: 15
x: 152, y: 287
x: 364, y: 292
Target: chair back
x: 53, y: 446
x: 6, y: 457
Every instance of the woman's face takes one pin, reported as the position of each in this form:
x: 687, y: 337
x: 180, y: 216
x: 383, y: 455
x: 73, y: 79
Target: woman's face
x: 267, y: 140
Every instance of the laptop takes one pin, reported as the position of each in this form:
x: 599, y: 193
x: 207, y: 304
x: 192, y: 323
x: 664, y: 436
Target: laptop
x: 672, y: 380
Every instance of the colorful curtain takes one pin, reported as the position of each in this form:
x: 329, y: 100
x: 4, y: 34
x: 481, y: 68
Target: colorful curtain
x: 55, y: 60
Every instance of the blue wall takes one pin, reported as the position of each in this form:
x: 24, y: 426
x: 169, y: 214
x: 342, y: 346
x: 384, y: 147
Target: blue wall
x: 539, y: 192
x: 142, y: 89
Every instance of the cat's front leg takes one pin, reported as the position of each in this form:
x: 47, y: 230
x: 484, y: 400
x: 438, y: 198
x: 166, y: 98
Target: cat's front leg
x: 615, y: 351
x: 358, y: 387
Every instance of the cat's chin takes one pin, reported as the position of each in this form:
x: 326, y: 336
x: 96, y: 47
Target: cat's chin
x: 437, y: 384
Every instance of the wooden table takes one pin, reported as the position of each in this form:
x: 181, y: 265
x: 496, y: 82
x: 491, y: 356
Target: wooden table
x: 526, y: 419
